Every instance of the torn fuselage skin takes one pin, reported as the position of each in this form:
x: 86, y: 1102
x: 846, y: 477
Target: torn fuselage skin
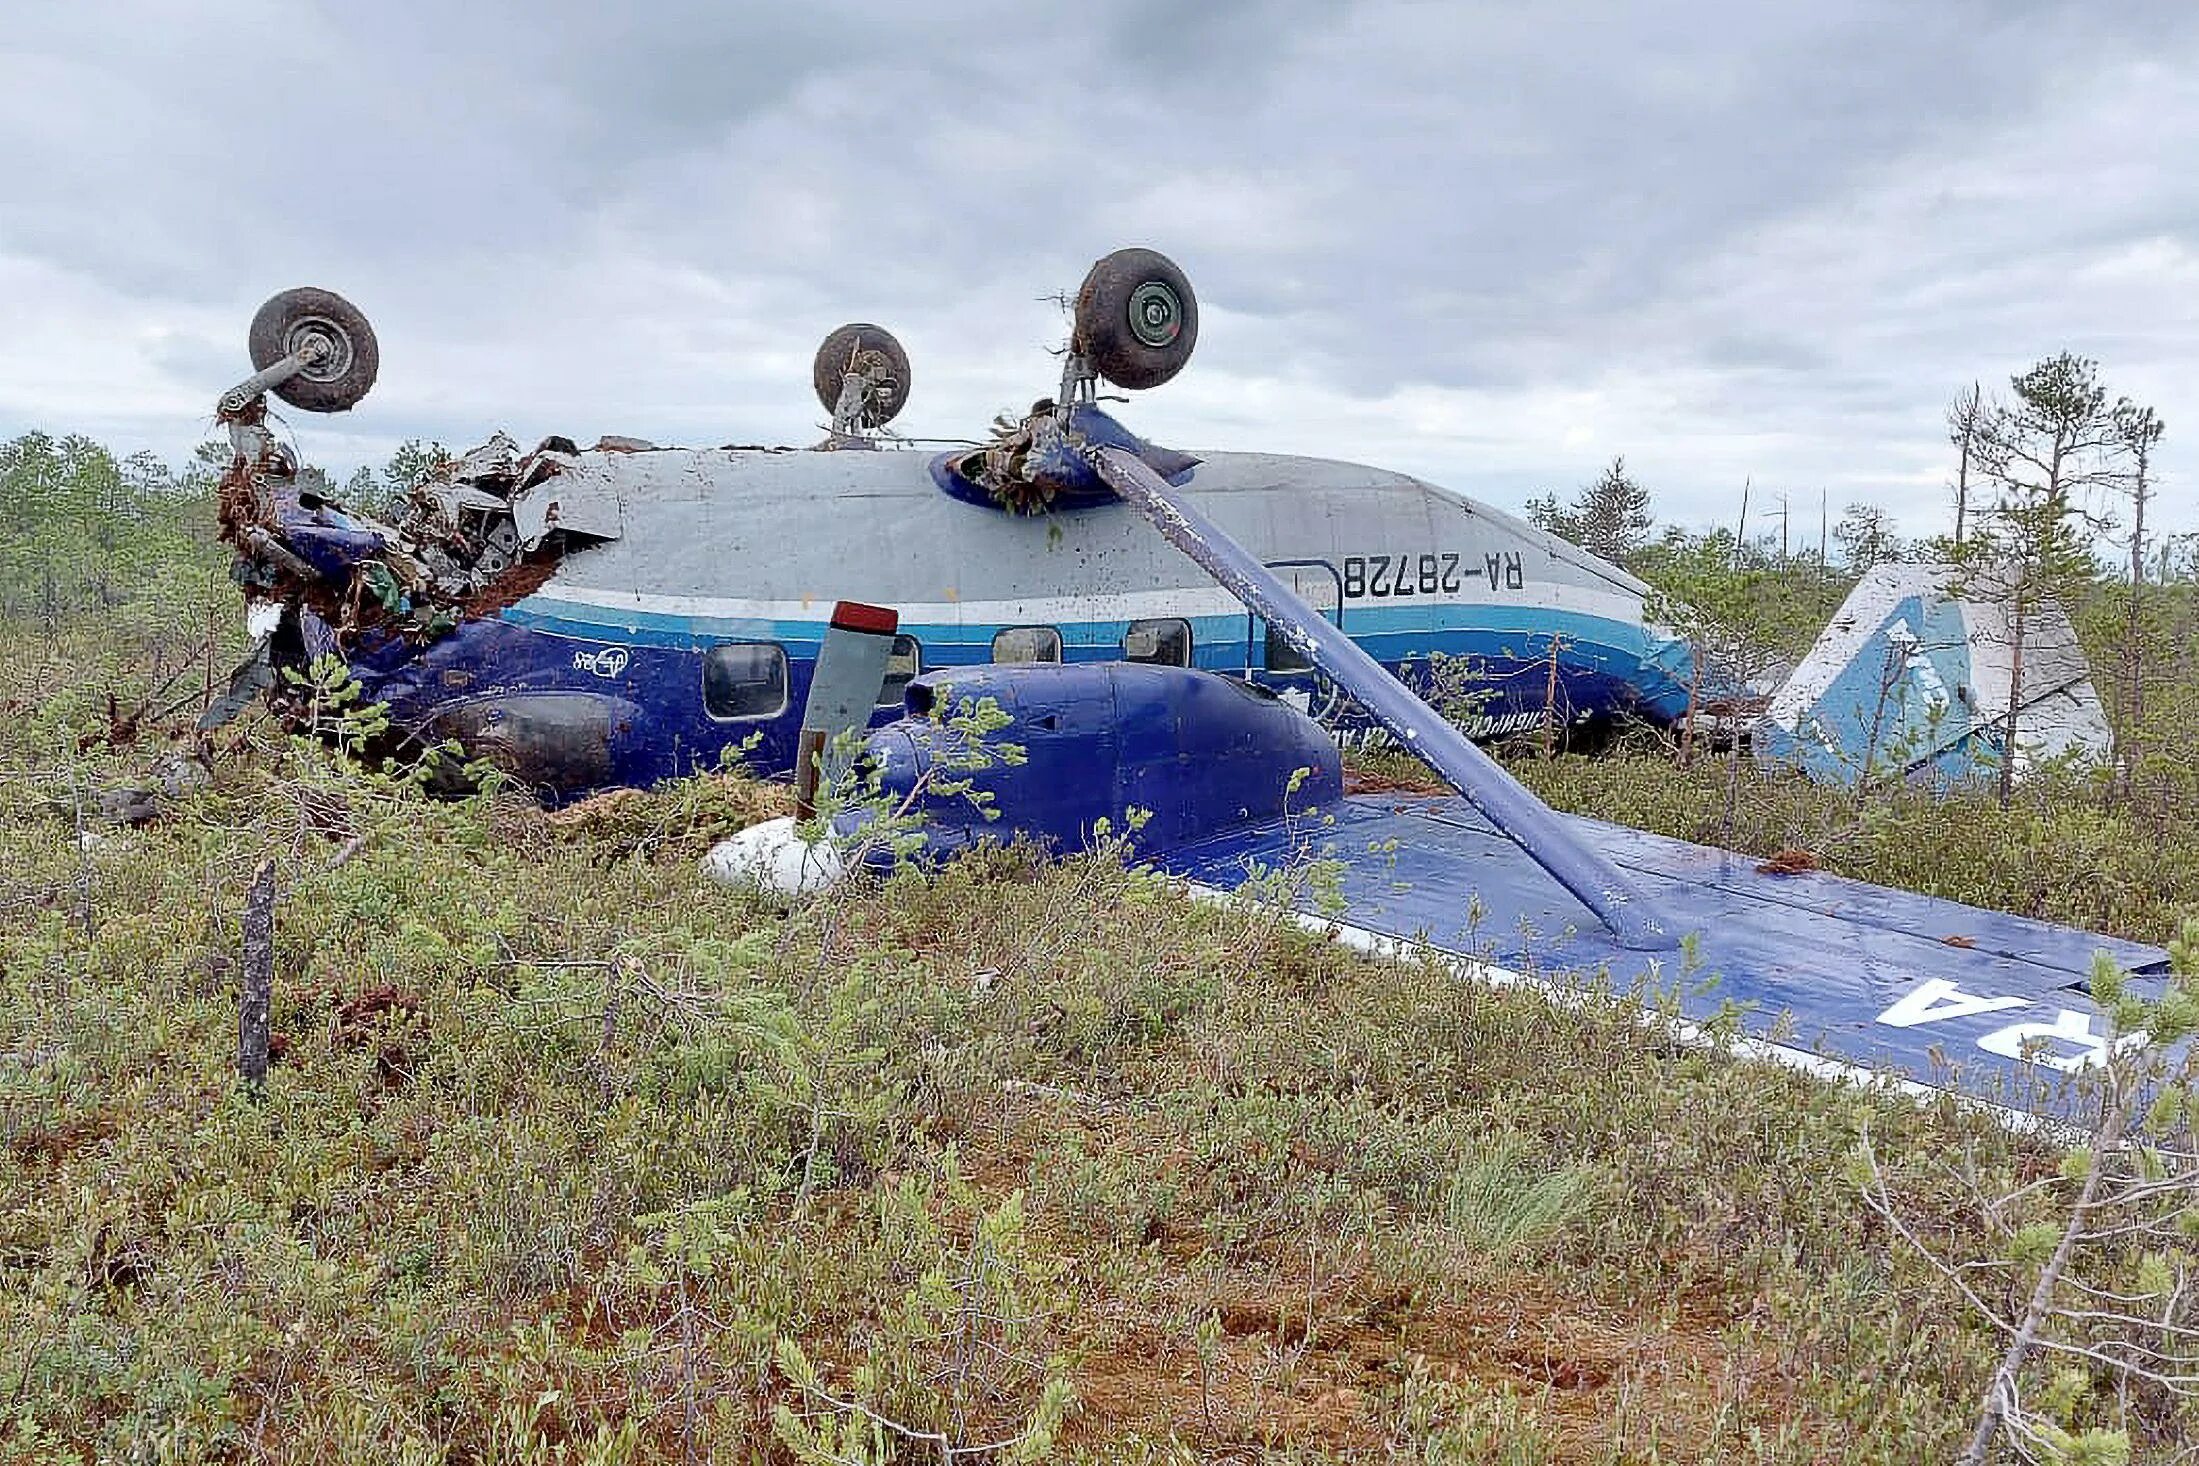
x: 324, y: 579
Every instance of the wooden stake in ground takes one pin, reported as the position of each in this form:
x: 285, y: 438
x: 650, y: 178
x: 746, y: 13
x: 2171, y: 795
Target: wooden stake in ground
x: 259, y: 977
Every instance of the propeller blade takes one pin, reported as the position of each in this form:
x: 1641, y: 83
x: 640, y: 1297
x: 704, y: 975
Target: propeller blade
x: 843, y: 690
x: 1529, y: 823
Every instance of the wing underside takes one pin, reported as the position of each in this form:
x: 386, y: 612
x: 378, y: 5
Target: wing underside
x: 1876, y: 981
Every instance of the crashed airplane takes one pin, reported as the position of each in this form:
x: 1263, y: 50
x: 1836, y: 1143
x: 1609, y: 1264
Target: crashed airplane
x: 624, y: 613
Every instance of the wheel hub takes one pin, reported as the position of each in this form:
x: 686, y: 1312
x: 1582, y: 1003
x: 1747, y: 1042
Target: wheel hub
x: 333, y: 343
x: 1156, y: 315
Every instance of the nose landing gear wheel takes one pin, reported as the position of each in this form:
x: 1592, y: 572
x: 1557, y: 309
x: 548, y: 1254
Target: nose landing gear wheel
x: 1136, y: 318
x: 349, y: 357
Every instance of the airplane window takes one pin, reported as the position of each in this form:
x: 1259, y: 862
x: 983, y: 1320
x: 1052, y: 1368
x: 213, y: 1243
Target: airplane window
x: 902, y: 664
x: 744, y: 679
x: 1282, y: 656
x: 1027, y: 644
x: 1166, y: 642
x: 1316, y: 583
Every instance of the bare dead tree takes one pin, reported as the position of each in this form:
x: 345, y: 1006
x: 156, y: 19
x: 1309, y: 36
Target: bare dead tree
x: 258, y: 977
x: 2141, y: 429
x: 1964, y: 417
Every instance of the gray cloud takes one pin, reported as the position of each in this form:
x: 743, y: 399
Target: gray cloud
x: 1494, y: 244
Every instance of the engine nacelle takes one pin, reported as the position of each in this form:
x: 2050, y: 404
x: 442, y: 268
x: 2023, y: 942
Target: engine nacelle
x: 1197, y: 753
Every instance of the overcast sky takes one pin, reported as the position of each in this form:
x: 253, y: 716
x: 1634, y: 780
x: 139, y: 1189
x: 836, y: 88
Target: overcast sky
x: 1493, y: 244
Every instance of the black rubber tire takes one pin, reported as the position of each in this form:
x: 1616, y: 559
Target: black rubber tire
x: 863, y: 347
x: 1136, y: 318
x: 338, y: 381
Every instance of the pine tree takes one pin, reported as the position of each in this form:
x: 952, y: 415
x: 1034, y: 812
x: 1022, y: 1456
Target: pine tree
x: 1609, y: 518
x: 2058, y: 444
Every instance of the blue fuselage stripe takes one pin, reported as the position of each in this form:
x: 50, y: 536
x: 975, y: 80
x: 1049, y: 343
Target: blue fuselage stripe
x: 647, y: 669
x: 1389, y: 633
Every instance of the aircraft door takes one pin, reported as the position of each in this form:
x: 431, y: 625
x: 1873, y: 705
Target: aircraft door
x: 1271, y: 660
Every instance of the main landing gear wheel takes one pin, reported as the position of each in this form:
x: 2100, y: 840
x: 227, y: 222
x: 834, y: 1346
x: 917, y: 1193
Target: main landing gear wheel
x: 871, y: 353
x: 1136, y: 318
x: 349, y: 358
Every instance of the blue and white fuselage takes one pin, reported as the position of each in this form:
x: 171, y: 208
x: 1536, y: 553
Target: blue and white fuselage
x: 685, y: 614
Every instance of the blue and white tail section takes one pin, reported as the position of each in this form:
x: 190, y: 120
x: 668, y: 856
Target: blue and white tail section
x: 1912, y: 679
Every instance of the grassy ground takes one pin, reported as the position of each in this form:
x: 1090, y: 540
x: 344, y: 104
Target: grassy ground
x: 571, y: 1156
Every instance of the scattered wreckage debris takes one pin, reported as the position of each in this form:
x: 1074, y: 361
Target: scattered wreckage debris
x: 471, y: 537
x: 462, y: 531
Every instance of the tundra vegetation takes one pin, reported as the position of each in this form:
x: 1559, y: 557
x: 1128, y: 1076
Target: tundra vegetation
x: 565, y: 1155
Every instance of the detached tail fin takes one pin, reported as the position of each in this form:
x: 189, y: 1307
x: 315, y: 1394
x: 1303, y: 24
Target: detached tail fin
x: 1914, y: 676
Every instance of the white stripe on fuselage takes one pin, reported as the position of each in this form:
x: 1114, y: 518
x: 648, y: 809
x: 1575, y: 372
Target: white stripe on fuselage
x: 1060, y: 609
x: 1118, y: 606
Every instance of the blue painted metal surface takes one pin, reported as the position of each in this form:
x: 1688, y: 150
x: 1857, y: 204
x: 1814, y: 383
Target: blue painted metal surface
x: 1893, y: 706
x: 1610, y: 893
x: 1599, y: 674
x: 1932, y: 991
x: 1828, y: 972
x: 326, y: 538
x: 657, y: 666
x: 1188, y: 754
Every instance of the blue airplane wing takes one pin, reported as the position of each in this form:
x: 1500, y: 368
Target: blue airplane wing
x: 1836, y: 975
x: 1820, y: 971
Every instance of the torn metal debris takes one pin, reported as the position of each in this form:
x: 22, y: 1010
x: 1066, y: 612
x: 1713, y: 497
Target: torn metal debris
x: 462, y: 529
x: 470, y: 537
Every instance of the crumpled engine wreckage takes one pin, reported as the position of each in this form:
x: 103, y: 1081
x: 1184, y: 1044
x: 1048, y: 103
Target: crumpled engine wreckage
x: 471, y: 537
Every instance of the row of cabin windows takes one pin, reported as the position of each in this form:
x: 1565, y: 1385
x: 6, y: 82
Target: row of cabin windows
x: 744, y: 680
x: 1165, y: 642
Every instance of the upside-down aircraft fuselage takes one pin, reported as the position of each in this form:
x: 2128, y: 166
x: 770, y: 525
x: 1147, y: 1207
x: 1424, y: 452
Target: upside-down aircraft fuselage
x: 689, y: 622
